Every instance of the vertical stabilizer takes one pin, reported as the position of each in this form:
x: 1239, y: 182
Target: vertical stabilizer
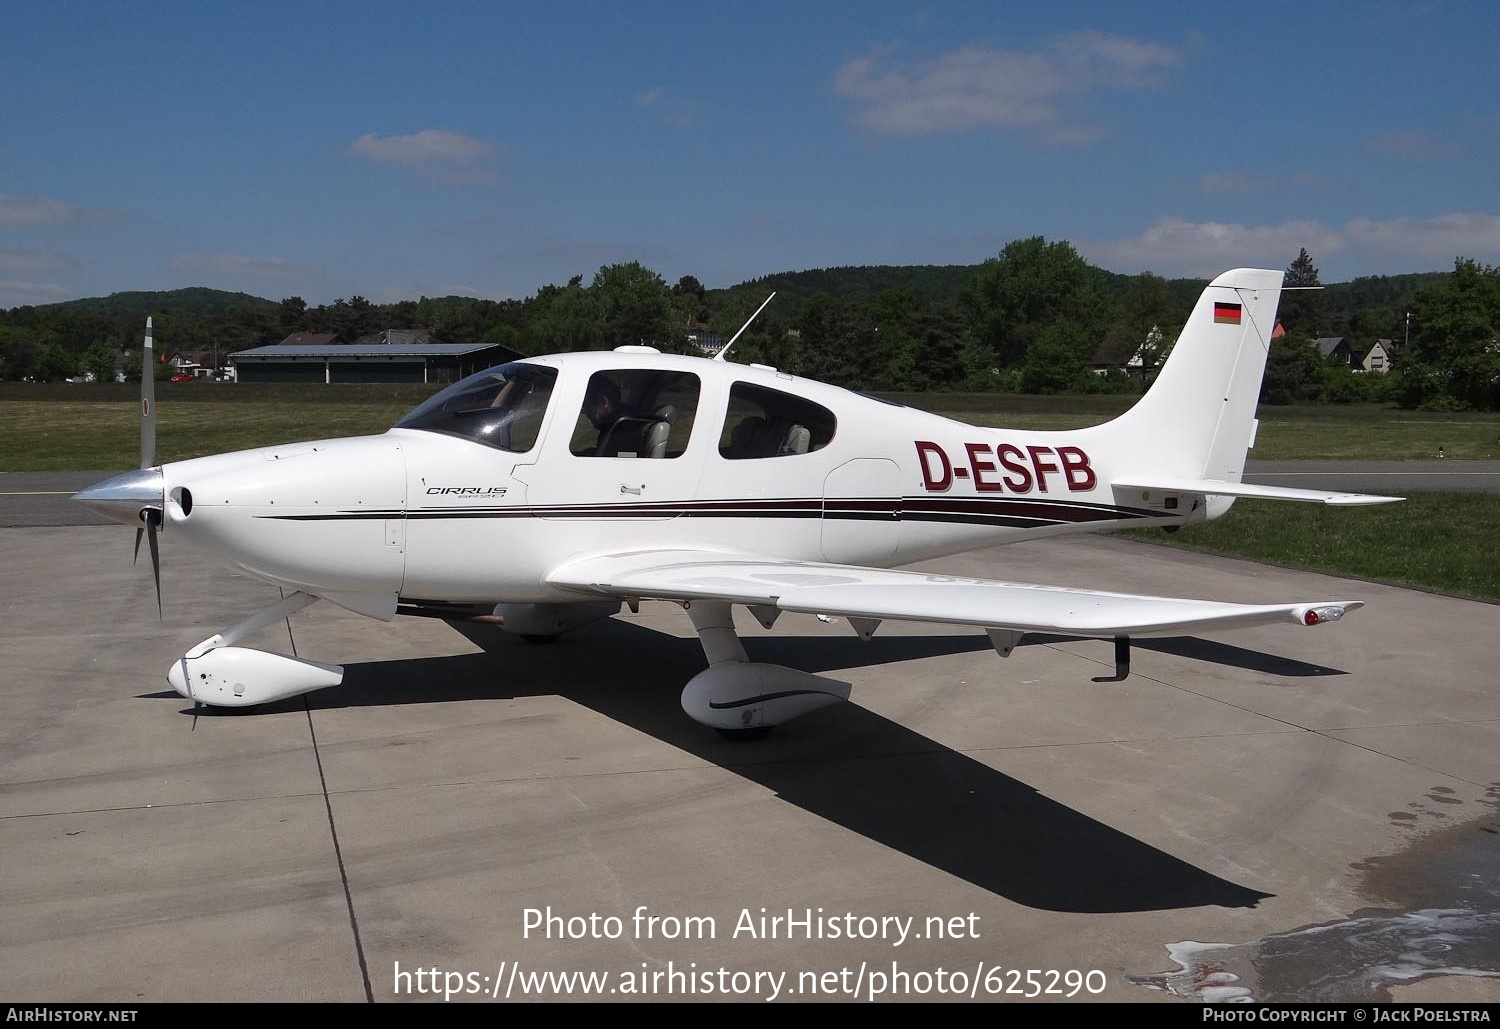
x: 1196, y: 421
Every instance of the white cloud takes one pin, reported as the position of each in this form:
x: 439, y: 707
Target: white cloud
x: 1176, y: 246
x: 272, y: 269
x: 1416, y: 145
x: 976, y: 87
x: 31, y: 261
x: 31, y: 211
x: 671, y: 109
x: 1102, y: 59
x: 430, y: 147
x: 1442, y: 238
x: 14, y: 293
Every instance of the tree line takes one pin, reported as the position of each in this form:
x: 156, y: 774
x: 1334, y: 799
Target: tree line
x: 1035, y: 318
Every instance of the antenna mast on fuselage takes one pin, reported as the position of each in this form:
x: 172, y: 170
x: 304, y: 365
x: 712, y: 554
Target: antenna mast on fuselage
x: 720, y: 355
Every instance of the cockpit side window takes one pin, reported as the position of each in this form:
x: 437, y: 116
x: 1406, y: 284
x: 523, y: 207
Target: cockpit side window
x: 761, y: 422
x: 630, y: 412
x: 501, y: 407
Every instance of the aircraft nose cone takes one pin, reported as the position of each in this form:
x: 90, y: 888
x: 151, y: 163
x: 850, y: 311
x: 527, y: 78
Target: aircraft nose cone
x: 121, y: 498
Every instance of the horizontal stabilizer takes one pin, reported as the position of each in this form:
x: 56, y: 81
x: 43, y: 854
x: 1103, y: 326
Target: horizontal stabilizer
x: 1223, y: 488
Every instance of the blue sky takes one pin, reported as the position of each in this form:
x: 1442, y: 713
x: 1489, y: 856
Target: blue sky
x: 393, y: 150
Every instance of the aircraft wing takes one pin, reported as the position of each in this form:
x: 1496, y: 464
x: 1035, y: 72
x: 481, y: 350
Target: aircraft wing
x: 812, y: 587
x: 1223, y: 488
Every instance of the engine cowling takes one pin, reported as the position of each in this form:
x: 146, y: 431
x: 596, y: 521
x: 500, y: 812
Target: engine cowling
x: 750, y: 695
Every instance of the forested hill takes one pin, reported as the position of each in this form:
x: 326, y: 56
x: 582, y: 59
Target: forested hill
x: 1036, y: 318
x: 931, y: 284
x: 1393, y: 291
x: 927, y: 283
x: 136, y: 305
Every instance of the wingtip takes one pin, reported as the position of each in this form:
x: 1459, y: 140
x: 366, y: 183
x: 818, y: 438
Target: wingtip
x: 1360, y: 500
x: 1326, y: 611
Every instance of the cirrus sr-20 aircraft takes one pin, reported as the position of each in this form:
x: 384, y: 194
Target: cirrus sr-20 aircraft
x: 543, y: 494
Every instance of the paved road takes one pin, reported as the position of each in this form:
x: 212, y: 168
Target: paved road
x: 1392, y: 478
x: 1256, y: 790
x: 41, y: 498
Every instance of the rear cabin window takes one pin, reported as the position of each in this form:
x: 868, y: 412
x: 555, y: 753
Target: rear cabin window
x: 636, y: 413
x: 763, y: 422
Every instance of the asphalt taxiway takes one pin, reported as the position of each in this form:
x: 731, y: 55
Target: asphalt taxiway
x: 1321, y: 801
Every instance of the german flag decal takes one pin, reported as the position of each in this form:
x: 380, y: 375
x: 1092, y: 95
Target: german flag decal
x: 1226, y: 314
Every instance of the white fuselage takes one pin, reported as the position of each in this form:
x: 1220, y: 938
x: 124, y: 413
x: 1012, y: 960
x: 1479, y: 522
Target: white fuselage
x: 423, y: 515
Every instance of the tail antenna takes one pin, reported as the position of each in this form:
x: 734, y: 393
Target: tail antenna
x: 720, y: 355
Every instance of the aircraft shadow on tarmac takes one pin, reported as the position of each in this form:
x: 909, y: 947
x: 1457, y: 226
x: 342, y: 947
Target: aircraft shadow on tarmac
x: 1207, y: 650
x: 845, y: 764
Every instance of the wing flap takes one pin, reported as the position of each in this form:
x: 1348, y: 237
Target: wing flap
x: 809, y: 587
x: 1224, y: 488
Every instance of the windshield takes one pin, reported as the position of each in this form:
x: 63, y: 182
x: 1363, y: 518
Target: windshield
x: 501, y: 407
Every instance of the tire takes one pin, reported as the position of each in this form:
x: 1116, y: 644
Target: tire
x: 758, y: 732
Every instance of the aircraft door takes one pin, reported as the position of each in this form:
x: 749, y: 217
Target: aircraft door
x: 627, y: 456
x: 464, y: 502
x: 862, y: 511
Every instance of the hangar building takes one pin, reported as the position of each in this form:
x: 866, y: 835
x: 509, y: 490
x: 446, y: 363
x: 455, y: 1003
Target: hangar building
x: 367, y: 362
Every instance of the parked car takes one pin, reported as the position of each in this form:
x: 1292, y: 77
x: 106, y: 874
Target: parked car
x: 181, y: 377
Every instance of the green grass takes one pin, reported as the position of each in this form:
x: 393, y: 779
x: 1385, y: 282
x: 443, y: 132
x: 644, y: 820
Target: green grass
x: 63, y: 428
x: 91, y: 426
x: 62, y: 436
x: 172, y: 394
x: 1449, y: 542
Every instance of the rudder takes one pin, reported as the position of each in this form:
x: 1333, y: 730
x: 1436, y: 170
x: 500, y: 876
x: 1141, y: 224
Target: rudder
x: 1197, y: 418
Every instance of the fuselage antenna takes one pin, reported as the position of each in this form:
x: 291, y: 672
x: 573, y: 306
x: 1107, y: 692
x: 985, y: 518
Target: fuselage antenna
x: 720, y: 355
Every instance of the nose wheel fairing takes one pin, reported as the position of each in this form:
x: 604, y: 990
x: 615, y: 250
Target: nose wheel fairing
x: 217, y: 672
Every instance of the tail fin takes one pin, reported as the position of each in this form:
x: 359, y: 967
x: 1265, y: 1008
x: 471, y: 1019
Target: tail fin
x: 1196, y: 420
x: 1190, y: 432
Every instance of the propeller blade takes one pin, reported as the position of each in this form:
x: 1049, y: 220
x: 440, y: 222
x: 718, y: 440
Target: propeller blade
x: 153, y: 523
x: 138, y: 496
x: 148, y: 400
x: 151, y: 516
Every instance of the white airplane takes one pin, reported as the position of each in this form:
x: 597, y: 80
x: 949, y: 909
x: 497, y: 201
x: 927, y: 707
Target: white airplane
x: 541, y: 495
